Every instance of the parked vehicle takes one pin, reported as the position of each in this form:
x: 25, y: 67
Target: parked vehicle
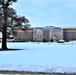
x: 60, y: 41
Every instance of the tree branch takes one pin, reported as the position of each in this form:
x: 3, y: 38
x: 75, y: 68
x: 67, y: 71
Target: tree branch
x: 1, y: 29
x: 1, y: 2
x: 7, y: 4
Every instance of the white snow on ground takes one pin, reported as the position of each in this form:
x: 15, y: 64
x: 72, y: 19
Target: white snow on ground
x: 40, y: 57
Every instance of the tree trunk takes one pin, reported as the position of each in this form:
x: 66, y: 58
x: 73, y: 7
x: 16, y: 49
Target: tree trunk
x: 4, y: 34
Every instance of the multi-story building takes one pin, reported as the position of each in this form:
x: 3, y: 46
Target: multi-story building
x: 52, y: 33
x: 37, y: 34
x: 23, y: 35
x: 69, y: 34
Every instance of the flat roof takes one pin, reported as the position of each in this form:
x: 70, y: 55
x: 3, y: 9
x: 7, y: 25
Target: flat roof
x: 69, y: 28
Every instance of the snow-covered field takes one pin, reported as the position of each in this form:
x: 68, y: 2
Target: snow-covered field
x: 40, y: 57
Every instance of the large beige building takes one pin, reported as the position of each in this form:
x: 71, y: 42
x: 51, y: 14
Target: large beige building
x: 69, y: 34
x: 39, y: 34
x: 47, y: 33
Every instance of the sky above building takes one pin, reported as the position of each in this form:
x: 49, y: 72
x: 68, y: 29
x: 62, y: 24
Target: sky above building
x: 60, y: 13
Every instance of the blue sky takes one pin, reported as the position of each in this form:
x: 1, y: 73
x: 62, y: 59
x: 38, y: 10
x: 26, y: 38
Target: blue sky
x: 61, y: 13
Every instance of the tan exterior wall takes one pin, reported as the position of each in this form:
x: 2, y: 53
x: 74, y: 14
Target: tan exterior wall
x: 69, y: 34
x: 26, y: 35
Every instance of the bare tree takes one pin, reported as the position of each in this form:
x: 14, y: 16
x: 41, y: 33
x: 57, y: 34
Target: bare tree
x: 9, y: 18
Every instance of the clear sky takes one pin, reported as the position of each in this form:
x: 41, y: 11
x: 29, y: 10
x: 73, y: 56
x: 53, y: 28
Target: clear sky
x: 61, y: 13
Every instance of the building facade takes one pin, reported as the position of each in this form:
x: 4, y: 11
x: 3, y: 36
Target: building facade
x: 69, y: 34
x: 23, y: 35
x: 53, y: 33
x: 38, y: 34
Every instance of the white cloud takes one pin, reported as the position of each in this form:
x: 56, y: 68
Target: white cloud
x: 55, y: 0
x: 56, y: 10
x: 39, y: 3
x: 70, y: 0
x: 72, y: 5
x: 53, y: 19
